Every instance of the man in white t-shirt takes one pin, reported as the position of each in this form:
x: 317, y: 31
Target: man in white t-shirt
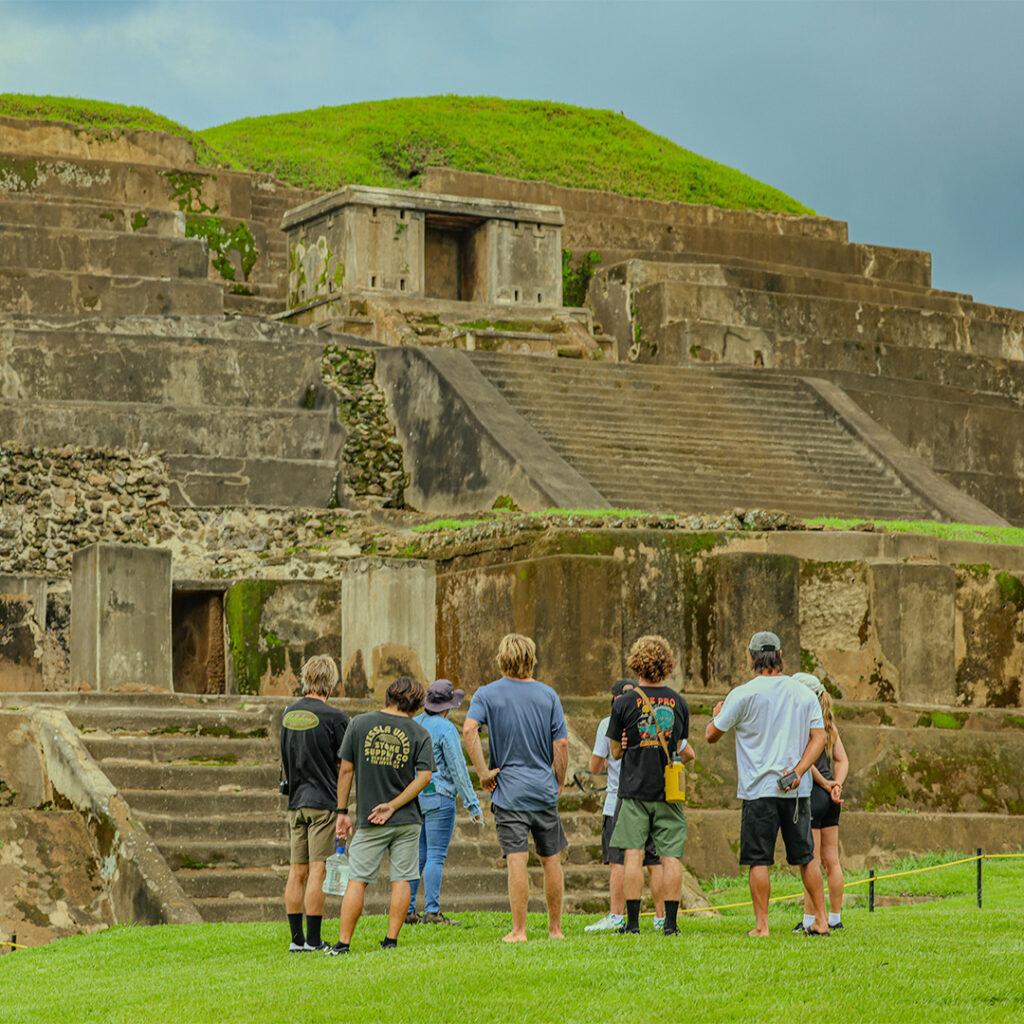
x: 601, y: 760
x: 779, y: 730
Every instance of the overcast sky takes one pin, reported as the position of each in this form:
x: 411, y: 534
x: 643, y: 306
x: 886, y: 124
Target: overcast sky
x: 903, y: 119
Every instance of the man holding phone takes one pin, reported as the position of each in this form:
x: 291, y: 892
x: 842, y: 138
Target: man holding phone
x: 779, y: 735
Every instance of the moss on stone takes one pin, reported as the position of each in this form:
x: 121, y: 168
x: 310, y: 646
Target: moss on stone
x: 243, y: 607
x: 1011, y: 588
x: 224, y: 241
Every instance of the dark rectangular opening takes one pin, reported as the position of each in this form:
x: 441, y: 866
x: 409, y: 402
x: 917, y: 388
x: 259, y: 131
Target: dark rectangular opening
x: 450, y: 257
x: 197, y: 641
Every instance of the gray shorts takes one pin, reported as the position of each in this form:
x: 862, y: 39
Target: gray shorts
x: 367, y: 848
x: 515, y: 827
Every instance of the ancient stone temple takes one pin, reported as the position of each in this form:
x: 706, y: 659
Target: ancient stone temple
x: 376, y: 241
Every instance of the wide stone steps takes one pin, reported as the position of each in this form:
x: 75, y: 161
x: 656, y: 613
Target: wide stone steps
x: 623, y: 235
x: 85, y: 216
x: 55, y: 365
x: 102, y: 252
x: 763, y: 275
x: 679, y: 440
x: 232, y: 433
x: 43, y: 291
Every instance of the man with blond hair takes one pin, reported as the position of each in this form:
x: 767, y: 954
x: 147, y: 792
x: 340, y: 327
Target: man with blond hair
x: 529, y: 751
x: 649, y: 724
x: 311, y: 735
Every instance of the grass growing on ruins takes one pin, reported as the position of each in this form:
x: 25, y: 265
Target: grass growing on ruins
x: 930, y: 528
x: 98, y: 117
x: 391, y: 143
x: 942, y: 960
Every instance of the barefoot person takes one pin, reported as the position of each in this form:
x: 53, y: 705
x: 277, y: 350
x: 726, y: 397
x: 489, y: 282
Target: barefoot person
x: 391, y: 759
x: 829, y: 771
x: 779, y: 735
x: 529, y: 751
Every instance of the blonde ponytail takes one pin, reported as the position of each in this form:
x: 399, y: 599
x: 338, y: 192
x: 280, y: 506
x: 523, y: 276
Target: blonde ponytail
x: 830, y: 723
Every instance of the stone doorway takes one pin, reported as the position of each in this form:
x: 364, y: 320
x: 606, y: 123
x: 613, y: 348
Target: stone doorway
x: 453, y: 250
x: 197, y: 641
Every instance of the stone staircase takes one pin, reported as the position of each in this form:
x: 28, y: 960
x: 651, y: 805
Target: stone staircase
x: 200, y: 775
x: 237, y: 405
x: 673, y: 440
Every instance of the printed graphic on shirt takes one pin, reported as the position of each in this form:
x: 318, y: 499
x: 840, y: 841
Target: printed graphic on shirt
x: 300, y: 720
x: 386, y: 747
x: 660, y: 719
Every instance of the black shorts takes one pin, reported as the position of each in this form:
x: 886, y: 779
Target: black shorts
x: 760, y: 821
x: 514, y: 829
x: 824, y: 810
x: 615, y: 854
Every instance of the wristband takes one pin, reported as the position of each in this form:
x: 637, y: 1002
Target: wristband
x: 341, y: 810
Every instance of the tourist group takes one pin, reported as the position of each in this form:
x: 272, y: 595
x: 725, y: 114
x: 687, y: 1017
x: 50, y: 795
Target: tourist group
x: 407, y: 764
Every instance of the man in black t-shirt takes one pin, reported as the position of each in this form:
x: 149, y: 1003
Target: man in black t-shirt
x: 311, y: 735
x: 642, y: 720
x: 391, y: 759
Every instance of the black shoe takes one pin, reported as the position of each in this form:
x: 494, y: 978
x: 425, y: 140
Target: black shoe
x: 389, y: 944
x: 836, y: 926
x: 670, y: 931
x: 338, y: 949
x: 320, y: 947
x: 799, y: 928
x: 624, y: 929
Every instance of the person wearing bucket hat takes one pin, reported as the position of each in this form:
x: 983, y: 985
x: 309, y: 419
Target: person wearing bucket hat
x: 779, y: 734
x: 437, y: 801
x: 829, y: 772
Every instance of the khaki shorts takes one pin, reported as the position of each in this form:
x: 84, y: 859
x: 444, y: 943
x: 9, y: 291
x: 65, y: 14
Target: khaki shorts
x: 367, y: 848
x: 311, y: 830
x: 663, y: 821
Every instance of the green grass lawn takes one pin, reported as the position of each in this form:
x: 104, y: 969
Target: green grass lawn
x: 943, y: 960
x: 390, y: 142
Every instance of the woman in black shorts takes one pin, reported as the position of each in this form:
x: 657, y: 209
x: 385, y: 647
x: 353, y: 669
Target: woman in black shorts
x: 829, y: 773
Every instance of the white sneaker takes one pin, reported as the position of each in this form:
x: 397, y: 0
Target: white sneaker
x: 606, y: 924
x: 659, y: 924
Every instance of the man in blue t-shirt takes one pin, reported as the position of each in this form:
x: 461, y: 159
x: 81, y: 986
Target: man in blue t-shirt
x: 779, y: 735
x: 529, y: 751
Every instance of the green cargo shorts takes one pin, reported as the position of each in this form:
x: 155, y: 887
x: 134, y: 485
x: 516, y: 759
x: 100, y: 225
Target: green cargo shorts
x: 639, y: 819
x: 369, y: 844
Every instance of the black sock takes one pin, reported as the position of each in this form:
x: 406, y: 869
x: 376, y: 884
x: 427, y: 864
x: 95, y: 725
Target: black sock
x: 313, y: 930
x: 632, y: 915
x: 295, y: 923
x: 671, y: 909
x: 389, y: 943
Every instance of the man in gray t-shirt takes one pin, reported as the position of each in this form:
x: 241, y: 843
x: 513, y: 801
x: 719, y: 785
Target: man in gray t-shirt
x: 779, y: 735
x: 529, y: 751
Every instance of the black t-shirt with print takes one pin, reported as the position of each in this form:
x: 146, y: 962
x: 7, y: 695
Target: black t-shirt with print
x: 387, y: 751
x: 311, y: 735
x: 642, y: 775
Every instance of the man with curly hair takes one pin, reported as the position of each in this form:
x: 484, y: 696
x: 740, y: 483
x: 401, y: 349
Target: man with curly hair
x: 644, y: 723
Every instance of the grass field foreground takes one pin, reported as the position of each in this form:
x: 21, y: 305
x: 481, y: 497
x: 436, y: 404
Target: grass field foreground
x: 940, y: 961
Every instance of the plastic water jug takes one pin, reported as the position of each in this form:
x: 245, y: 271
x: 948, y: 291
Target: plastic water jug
x: 336, y: 879
x: 675, y: 783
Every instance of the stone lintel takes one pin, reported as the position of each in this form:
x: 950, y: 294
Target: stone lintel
x: 421, y: 202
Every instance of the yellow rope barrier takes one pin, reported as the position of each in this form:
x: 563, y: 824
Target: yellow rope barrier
x: 863, y: 881
x: 13, y: 945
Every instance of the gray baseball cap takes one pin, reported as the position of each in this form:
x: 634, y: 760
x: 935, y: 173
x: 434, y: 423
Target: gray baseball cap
x: 813, y: 683
x: 765, y: 641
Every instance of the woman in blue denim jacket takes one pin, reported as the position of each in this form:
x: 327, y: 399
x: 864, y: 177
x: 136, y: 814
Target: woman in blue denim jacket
x: 437, y: 801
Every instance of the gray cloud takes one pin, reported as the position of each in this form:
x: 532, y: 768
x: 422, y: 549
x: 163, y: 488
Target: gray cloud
x: 901, y: 118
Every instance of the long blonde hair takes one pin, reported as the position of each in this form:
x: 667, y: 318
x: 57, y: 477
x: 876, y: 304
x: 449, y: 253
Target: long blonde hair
x: 825, y: 700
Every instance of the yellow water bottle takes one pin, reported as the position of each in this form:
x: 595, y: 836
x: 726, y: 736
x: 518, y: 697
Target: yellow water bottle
x: 675, y: 782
